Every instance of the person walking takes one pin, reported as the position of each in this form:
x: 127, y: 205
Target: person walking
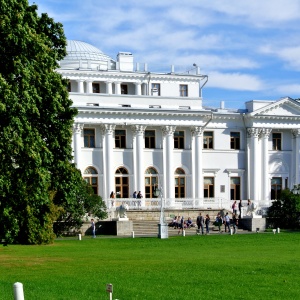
x: 219, y: 222
x: 200, y: 223
x: 227, y: 222
x: 207, y: 221
x: 234, y: 223
x: 93, y: 227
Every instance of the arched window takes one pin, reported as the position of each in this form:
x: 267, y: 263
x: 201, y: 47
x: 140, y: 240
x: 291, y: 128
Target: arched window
x: 151, y: 181
x: 179, y: 183
x: 91, y: 177
x: 122, y: 183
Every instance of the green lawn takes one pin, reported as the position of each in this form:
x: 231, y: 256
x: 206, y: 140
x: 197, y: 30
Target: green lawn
x: 246, y: 266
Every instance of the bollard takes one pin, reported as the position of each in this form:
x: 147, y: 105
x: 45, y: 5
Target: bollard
x: 79, y: 237
x: 231, y: 231
x: 132, y: 234
x: 274, y: 231
x: 18, y: 291
x: 183, y: 232
x: 278, y: 230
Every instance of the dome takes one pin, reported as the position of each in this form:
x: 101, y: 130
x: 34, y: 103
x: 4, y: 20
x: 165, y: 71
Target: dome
x: 77, y: 50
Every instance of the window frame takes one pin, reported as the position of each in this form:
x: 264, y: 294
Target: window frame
x: 210, y: 188
x: 96, y: 88
x: 180, y: 183
x: 89, y: 139
x: 235, y: 188
x: 235, y: 141
x: 155, y: 85
x: 179, y: 139
x: 183, y: 90
x: 208, y: 140
x: 150, y: 139
x: 277, y: 141
x: 120, y: 139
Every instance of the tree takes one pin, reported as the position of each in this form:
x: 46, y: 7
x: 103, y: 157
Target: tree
x: 36, y: 121
x: 285, y: 212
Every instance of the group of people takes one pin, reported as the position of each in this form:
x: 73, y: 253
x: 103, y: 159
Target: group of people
x: 180, y: 223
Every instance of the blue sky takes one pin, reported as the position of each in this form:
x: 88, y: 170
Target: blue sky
x: 249, y: 49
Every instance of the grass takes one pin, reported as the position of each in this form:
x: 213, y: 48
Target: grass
x: 250, y: 266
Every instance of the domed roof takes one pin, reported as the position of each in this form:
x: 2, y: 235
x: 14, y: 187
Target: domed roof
x: 77, y: 50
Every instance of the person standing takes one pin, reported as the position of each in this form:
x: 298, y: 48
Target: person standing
x: 227, y: 222
x: 139, y: 195
x: 93, y: 227
x: 134, y: 195
x: 200, y: 222
x: 234, y: 223
x: 240, y: 208
x: 219, y: 221
x: 234, y: 208
x: 207, y: 221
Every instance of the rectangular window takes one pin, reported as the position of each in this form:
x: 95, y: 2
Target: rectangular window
x: 276, y: 188
x: 276, y: 141
x: 150, y: 139
x: 179, y: 140
x: 179, y: 187
x: 235, y: 140
x: 235, y: 188
x: 208, y: 140
x: 89, y: 138
x: 120, y: 139
x: 209, y: 187
x: 124, y: 89
x: 93, y: 181
x: 96, y: 88
x: 155, y: 89
x: 183, y: 90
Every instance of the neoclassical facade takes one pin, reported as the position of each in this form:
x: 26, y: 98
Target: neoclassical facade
x: 138, y: 130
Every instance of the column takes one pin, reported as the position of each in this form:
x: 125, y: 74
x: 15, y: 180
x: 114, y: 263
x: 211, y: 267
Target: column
x: 108, y: 87
x: 138, y: 157
x: 296, y: 158
x: 108, y: 168
x: 168, y: 146
x: 254, y: 164
x: 118, y: 88
x: 77, y: 129
x: 265, y: 166
x: 89, y: 87
x: 197, y: 133
x: 80, y: 87
x: 138, y: 88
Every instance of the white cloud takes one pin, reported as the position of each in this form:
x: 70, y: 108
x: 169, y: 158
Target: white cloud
x: 289, y: 89
x: 235, y: 81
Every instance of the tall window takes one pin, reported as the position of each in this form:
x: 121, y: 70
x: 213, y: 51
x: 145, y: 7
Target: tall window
x: 179, y: 140
x: 96, y: 88
x: 151, y: 182
x: 124, y: 89
x: 208, y: 140
x: 276, y: 187
x: 120, y: 138
x: 276, y: 141
x: 235, y: 188
x: 150, y: 139
x: 209, y: 188
x: 91, y: 177
x: 155, y: 89
x: 89, y: 137
x: 179, y: 183
x: 183, y: 90
x: 122, y: 183
x: 235, y: 140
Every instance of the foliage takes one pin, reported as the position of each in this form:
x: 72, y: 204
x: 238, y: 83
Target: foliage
x: 285, y: 212
x: 36, y: 121
x: 179, y: 268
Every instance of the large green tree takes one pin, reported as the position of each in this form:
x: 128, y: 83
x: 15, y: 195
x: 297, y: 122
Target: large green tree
x: 36, y: 120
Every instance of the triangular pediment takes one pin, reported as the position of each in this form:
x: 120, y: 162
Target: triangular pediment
x: 285, y: 107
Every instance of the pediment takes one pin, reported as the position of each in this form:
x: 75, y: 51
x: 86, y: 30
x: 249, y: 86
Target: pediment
x: 286, y: 107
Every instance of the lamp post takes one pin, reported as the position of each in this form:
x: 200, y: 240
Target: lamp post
x: 162, y: 226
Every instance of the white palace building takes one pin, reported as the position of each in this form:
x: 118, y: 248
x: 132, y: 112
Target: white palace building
x: 139, y: 130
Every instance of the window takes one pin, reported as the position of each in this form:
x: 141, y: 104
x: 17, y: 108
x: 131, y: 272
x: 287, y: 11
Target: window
x: 209, y: 187
x: 183, y: 90
x: 179, y: 183
x: 122, y: 183
x: 208, y: 140
x: 155, y: 90
x: 235, y: 188
x: 276, y: 187
x: 179, y: 140
x: 91, y: 177
x: 89, y: 138
x: 235, y: 141
x: 120, y: 139
x: 150, y: 139
x: 151, y: 182
x: 124, y: 89
x: 276, y: 141
x: 96, y: 88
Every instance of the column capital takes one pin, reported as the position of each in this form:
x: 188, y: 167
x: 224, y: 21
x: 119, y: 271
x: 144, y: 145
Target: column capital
x: 296, y: 133
x: 253, y: 132
x: 108, y: 128
x: 138, y: 129
x: 265, y: 132
x: 77, y: 127
x: 197, y: 130
x: 168, y: 130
